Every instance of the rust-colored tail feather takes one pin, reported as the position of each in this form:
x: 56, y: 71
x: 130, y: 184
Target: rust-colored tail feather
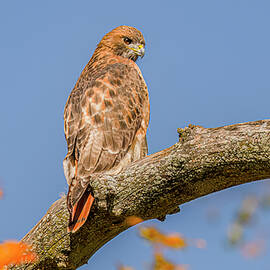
x: 80, y: 212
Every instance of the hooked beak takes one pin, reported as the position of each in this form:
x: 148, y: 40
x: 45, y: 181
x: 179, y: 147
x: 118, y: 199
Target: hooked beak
x: 138, y: 49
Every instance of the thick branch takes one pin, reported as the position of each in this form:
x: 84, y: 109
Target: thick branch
x: 203, y: 161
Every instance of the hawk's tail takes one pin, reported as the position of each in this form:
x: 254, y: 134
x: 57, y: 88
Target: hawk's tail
x: 80, y: 211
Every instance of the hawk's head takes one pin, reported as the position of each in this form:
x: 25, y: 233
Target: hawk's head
x: 125, y: 41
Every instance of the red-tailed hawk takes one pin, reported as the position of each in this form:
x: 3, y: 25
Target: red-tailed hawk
x: 106, y: 118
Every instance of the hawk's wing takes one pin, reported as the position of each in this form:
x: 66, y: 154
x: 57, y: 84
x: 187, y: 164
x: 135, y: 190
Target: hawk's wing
x: 101, y: 121
x: 72, y: 114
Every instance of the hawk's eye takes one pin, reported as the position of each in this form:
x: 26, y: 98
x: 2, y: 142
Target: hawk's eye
x: 127, y: 40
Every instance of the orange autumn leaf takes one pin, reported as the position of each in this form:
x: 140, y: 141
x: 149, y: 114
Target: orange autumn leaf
x: 162, y: 264
x: 156, y: 237
x: 133, y: 220
x: 13, y: 252
x: 151, y: 234
x: 173, y: 241
x: 1, y: 193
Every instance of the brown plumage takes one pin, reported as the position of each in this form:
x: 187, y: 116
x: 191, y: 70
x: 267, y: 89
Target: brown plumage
x: 106, y: 118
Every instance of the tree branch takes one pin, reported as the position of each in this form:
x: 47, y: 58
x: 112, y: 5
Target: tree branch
x: 205, y: 160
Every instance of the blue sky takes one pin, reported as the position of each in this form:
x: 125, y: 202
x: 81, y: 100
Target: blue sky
x: 206, y: 63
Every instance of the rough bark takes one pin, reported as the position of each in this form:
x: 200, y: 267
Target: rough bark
x: 205, y: 160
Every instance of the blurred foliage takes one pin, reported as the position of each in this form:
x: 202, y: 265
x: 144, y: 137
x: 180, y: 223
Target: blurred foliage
x: 160, y: 241
x: 160, y: 263
x: 245, y: 217
x: 155, y: 237
x: 12, y: 252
